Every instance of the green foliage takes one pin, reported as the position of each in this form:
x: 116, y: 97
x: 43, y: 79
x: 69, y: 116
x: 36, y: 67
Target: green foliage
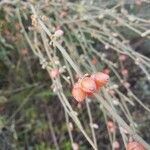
x: 42, y: 146
x: 66, y: 145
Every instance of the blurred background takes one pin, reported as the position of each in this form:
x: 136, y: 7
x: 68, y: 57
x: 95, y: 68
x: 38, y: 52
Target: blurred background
x: 39, y: 66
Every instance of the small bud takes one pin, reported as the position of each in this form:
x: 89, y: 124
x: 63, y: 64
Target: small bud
x: 57, y: 62
x: 54, y: 73
x: 70, y: 125
x: 116, y: 145
x: 124, y: 72
x: 94, y: 61
x: 58, y: 33
x: 122, y: 57
x: 63, y: 14
x: 116, y: 102
x: 94, y: 125
x: 135, y: 146
x: 115, y: 86
x: 111, y: 92
x: 106, y: 71
x: 75, y: 113
x: 138, y: 2
x: 115, y: 34
x: 126, y: 84
x: 107, y: 46
x: 111, y: 127
x: 101, y: 16
x: 75, y: 146
x: 137, y: 61
x: 24, y: 51
x: 124, y: 130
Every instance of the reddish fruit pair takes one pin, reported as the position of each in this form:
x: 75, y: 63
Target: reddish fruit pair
x: 87, y: 86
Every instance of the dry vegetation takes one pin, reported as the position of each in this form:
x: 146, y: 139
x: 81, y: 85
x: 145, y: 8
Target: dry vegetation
x: 46, y: 46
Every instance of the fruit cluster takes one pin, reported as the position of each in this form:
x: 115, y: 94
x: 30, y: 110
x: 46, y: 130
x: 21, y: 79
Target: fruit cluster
x: 88, y: 85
